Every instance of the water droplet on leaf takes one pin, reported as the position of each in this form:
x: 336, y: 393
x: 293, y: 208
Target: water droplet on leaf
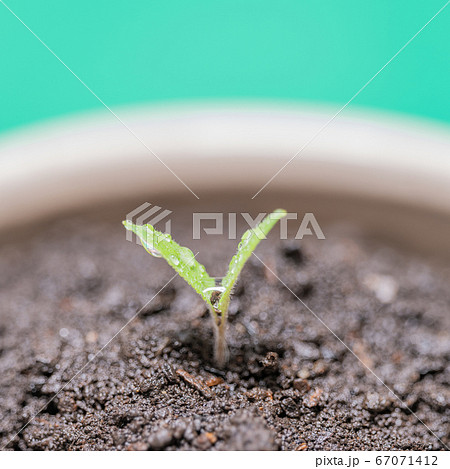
x: 150, y: 249
x: 217, y: 287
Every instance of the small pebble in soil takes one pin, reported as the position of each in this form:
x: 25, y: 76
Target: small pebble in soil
x: 302, y: 447
x: 290, y: 407
x: 259, y: 393
x: 270, y: 361
x: 160, y: 439
x: 91, y: 337
x: 205, y: 441
x: 214, y: 381
x: 385, y: 287
x: 168, y: 372
x: 292, y: 251
x: 249, y: 433
x: 301, y: 385
x: 314, y: 399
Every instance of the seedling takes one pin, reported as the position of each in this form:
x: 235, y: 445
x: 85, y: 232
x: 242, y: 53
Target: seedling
x: 216, y: 294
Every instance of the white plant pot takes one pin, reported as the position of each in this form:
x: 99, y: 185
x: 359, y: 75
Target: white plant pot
x: 388, y: 175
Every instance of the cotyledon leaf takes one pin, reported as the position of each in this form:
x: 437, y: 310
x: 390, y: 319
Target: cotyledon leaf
x: 250, y: 239
x: 180, y: 258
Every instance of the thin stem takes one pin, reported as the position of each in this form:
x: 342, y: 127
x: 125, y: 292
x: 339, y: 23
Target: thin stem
x: 220, y: 346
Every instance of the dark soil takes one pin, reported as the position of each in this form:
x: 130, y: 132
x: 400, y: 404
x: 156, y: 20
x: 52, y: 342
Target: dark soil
x: 290, y: 384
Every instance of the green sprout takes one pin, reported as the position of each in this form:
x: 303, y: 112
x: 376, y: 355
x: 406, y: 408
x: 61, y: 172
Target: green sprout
x: 215, y: 294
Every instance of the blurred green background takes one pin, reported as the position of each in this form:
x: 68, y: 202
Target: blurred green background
x: 138, y: 52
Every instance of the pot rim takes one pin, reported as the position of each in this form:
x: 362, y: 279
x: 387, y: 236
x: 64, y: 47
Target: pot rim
x: 90, y: 159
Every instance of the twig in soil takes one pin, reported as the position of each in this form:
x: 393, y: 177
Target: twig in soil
x: 195, y: 383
